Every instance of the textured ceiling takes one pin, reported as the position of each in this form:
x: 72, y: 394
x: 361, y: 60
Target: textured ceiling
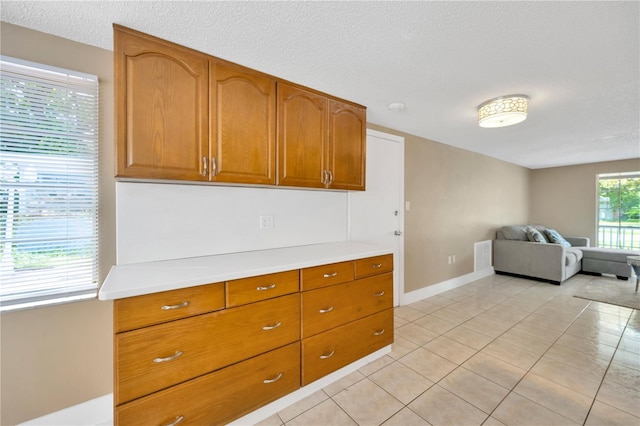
x: 578, y: 61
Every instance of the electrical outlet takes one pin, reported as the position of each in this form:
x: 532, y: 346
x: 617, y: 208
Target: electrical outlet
x: 449, y: 260
x: 453, y: 259
x: 266, y: 222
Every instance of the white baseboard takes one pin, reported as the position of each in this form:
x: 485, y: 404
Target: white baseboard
x: 432, y: 290
x: 95, y: 412
x: 99, y: 411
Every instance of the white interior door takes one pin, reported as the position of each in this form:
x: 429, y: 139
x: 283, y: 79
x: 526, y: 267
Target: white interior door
x: 377, y: 214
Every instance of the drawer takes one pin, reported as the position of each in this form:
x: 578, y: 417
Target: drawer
x: 156, y: 308
x: 219, y: 397
x: 373, y: 265
x: 329, y: 307
x: 334, y: 349
x: 156, y: 357
x: 254, y: 289
x: 325, y: 275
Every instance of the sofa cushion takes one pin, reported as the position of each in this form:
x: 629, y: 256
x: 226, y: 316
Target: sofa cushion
x: 513, y: 232
x: 572, y: 255
x: 534, y: 235
x: 555, y: 237
x: 608, y: 254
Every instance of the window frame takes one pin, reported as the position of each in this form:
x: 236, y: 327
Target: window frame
x: 64, y: 189
x: 601, y: 232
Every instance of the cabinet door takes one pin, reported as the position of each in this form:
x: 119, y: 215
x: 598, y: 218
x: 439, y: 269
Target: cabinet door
x: 243, y: 125
x: 162, y: 108
x: 347, y: 146
x: 302, y: 137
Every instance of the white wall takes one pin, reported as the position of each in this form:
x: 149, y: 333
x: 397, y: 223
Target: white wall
x: 171, y: 221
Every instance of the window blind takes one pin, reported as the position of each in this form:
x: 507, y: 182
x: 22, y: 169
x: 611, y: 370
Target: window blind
x: 48, y: 185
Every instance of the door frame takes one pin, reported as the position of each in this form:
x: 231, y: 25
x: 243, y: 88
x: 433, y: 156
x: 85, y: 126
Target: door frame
x: 398, y: 283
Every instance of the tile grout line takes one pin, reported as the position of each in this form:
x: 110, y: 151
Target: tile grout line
x: 467, y: 297
x: 497, y: 337
x: 607, y: 370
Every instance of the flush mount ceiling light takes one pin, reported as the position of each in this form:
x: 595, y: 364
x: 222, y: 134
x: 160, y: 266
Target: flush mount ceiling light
x: 503, y: 111
x: 396, y: 106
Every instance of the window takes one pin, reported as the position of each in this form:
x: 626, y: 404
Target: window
x: 48, y: 185
x: 619, y: 210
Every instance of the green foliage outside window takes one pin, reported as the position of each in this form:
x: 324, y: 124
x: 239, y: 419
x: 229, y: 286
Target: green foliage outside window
x: 619, y: 211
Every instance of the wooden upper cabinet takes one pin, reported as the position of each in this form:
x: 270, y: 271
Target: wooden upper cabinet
x: 302, y: 137
x: 347, y: 146
x: 184, y: 115
x: 243, y: 125
x: 161, y: 108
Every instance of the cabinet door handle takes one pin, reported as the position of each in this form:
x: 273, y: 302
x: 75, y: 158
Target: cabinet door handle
x: 376, y: 265
x: 381, y: 293
x: 214, y: 167
x: 178, y: 306
x: 379, y: 332
x: 331, y: 275
x: 330, y: 177
x: 325, y: 177
x: 275, y: 379
x: 329, y: 355
x: 178, y: 354
x: 204, y: 166
x: 266, y: 287
x: 325, y: 310
x: 177, y: 420
x: 271, y: 327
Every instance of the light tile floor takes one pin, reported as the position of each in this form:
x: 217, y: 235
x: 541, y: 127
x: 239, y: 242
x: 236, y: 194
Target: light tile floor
x: 498, y: 351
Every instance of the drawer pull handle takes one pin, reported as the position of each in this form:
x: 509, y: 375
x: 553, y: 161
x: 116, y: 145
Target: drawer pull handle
x: 376, y: 266
x: 331, y: 275
x: 379, y: 332
x: 329, y: 355
x: 378, y: 294
x: 266, y: 287
x: 178, y: 419
x: 178, y: 354
x: 325, y: 310
x: 178, y: 306
x: 275, y: 379
x: 271, y: 327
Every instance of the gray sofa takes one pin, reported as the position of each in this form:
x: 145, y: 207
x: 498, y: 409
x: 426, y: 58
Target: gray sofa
x: 514, y: 254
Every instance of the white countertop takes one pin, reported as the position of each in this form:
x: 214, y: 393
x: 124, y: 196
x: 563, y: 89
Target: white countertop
x: 152, y: 277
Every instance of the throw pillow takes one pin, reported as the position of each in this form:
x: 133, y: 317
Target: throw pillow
x: 555, y: 237
x: 534, y: 235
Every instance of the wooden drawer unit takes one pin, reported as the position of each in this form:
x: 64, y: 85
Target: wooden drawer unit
x: 221, y: 396
x: 325, y: 275
x: 156, y: 308
x: 373, y: 265
x: 163, y: 355
x: 334, y: 349
x: 329, y: 307
x: 254, y: 289
x: 212, y: 353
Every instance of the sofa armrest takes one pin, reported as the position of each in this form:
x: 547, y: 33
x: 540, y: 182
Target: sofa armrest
x: 579, y: 241
x: 539, y: 260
